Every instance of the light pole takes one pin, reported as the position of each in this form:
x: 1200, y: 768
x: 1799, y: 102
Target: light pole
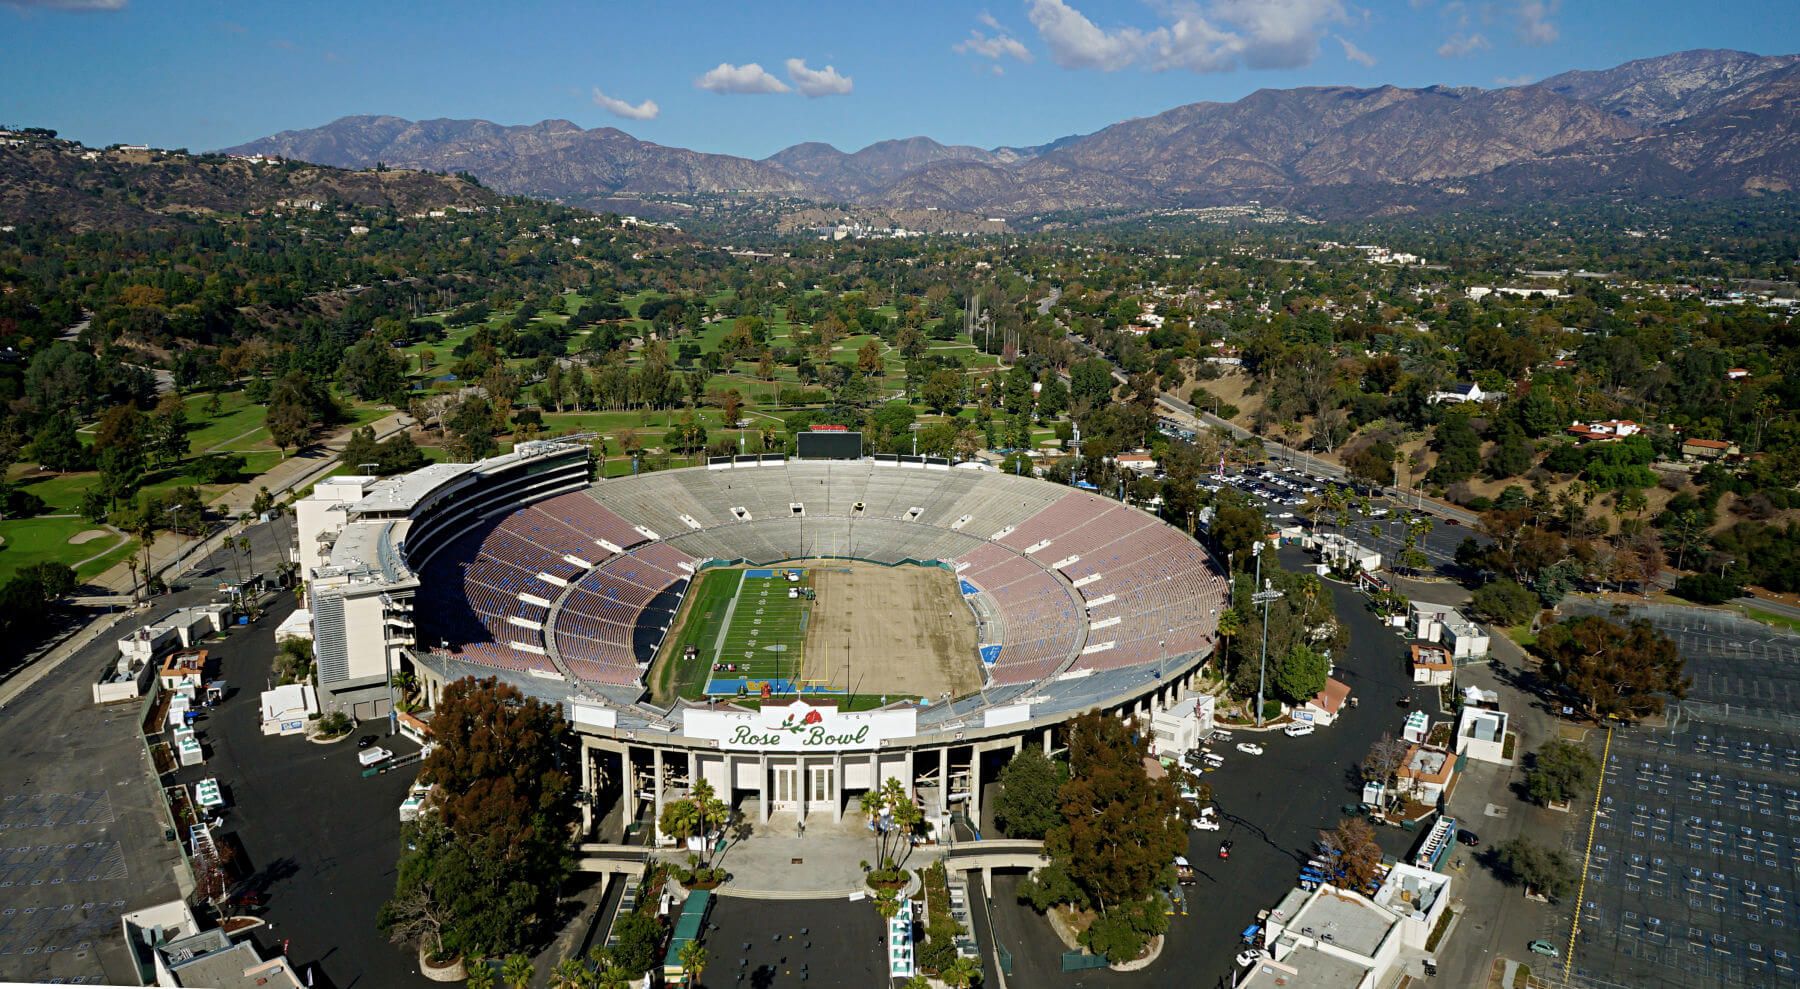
x: 1265, y: 597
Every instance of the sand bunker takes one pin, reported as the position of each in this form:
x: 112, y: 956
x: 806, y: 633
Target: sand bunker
x: 88, y: 536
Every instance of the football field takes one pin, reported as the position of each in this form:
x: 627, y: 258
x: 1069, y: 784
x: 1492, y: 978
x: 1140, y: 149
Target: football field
x: 764, y: 634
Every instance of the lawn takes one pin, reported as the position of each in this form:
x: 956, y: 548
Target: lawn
x: 703, y: 617
x: 46, y: 540
x: 1771, y: 618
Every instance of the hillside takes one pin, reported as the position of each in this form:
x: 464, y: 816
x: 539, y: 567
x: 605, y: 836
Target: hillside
x: 80, y: 188
x: 1696, y: 123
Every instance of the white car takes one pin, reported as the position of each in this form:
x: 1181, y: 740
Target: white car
x: 1206, y: 823
x: 1248, y: 957
x: 1298, y: 728
x: 1249, y: 748
x: 1221, y: 734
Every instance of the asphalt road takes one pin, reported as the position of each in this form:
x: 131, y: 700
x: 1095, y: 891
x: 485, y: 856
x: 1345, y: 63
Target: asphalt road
x: 1273, y: 807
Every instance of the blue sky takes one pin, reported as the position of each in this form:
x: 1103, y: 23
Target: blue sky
x: 751, y: 78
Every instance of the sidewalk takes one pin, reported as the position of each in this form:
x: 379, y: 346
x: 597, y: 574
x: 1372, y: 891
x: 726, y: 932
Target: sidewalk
x: 171, y: 554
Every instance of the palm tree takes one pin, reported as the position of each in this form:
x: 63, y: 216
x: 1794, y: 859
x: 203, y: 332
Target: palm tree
x: 481, y: 975
x: 694, y: 957
x: 961, y: 973
x: 569, y: 974
x: 516, y: 971
x: 1230, y: 624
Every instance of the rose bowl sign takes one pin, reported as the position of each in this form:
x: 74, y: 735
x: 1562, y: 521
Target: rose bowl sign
x: 799, y: 727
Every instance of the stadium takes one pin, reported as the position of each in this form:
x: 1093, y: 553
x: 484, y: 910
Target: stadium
x: 794, y: 631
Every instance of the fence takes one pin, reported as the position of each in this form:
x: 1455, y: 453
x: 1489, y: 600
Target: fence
x: 1081, y: 961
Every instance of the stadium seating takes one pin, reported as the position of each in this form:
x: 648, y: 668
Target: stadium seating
x: 536, y: 590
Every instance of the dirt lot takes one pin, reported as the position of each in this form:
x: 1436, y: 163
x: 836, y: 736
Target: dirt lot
x: 902, y: 630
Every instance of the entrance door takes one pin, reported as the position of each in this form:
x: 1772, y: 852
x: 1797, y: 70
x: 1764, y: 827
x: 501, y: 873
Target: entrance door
x: 786, y: 789
x: 821, y: 787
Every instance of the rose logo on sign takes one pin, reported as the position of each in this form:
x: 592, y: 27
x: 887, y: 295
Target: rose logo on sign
x: 798, y: 721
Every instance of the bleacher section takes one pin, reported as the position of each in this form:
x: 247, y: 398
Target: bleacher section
x: 541, y: 580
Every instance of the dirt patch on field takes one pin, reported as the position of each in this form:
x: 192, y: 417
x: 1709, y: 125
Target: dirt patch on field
x: 896, y: 630
x: 87, y: 536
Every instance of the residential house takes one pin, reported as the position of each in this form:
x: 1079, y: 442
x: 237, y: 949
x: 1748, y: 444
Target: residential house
x: 1610, y: 429
x: 1459, y: 393
x: 1699, y: 449
x: 1737, y: 373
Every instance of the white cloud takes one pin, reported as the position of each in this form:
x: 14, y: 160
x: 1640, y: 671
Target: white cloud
x: 1076, y: 43
x: 988, y: 19
x: 646, y: 110
x: 818, y: 82
x: 1353, y: 53
x: 747, y: 78
x: 999, y: 46
x: 1513, y: 80
x: 1214, y: 36
x: 1459, y: 45
x: 1534, y: 22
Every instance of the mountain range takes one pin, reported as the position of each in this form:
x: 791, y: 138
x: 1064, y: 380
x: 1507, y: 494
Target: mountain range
x: 1701, y: 123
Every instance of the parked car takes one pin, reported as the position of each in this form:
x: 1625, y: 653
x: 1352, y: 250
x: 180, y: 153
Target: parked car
x: 1245, y: 959
x: 1224, y: 849
x: 1469, y: 838
x: 1206, y: 824
x: 1221, y: 735
x: 1249, y: 748
x: 366, y: 741
x: 1298, y: 729
x: 1543, y: 947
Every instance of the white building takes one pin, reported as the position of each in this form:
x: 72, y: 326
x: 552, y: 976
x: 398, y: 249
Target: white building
x: 1342, y: 553
x: 1181, y: 727
x: 1325, y: 706
x: 1329, y: 938
x: 1481, y: 734
x: 1459, y: 393
x: 1431, y: 664
x: 1444, y: 624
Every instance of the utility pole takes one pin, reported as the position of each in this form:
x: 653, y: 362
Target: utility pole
x: 1265, y: 597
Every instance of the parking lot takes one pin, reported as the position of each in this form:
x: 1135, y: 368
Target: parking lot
x: 1697, y: 845
x: 81, y: 830
x: 1284, y: 494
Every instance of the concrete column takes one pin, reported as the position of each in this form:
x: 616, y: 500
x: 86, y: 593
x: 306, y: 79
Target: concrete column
x: 656, y: 790
x: 762, y: 784
x: 975, y: 785
x: 837, y: 788
x: 587, y: 787
x: 630, y: 783
x: 987, y: 882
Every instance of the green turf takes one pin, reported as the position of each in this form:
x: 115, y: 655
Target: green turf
x: 702, y: 619
x: 765, y: 635
x: 45, y: 540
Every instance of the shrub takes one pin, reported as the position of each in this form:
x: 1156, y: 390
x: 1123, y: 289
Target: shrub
x: 1707, y: 588
x: 1504, y: 601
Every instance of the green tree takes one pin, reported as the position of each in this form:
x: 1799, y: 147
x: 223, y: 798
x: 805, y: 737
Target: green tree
x: 481, y: 975
x: 1560, y: 772
x: 121, y: 473
x: 1546, y: 871
x: 373, y: 371
x: 1503, y: 601
x: 1459, y: 450
x: 497, y: 837
x: 943, y: 391
x: 1091, y: 383
x: 1120, y: 828
x: 1053, y: 397
x: 1027, y: 806
x: 56, y: 446
x: 1373, y: 463
x: 1301, y: 674
x: 288, y: 417
x: 1611, y: 670
x: 1512, y: 454
x: 167, y: 430
x: 639, y: 937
